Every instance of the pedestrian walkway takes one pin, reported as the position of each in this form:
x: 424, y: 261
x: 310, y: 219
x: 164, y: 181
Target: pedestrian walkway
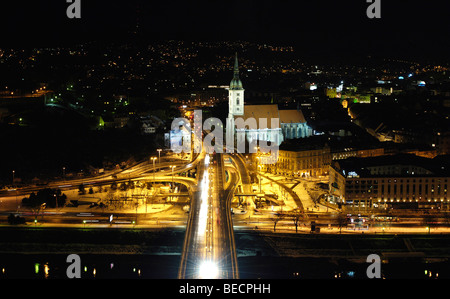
x: 296, y: 188
x: 286, y: 196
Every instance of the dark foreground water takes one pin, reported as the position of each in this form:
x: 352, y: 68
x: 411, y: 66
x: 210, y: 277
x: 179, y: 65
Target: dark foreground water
x: 46, y: 266
x: 95, y: 266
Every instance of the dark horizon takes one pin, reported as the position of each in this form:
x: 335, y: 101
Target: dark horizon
x: 407, y: 29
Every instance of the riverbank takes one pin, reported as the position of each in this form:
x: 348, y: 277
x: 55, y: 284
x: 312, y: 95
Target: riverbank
x: 260, y: 254
x: 47, y: 240
x: 351, y: 246
x: 19, y: 239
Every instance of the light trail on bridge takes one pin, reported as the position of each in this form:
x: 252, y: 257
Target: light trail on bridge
x: 208, y: 266
x: 208, y: 251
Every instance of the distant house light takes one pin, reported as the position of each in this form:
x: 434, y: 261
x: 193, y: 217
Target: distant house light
x: 353, y: 174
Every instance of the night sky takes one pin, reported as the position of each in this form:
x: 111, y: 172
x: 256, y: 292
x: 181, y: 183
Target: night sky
x: 406, y: 28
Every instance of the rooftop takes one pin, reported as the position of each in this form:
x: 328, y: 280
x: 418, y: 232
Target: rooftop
x: 291, y: 116
x: 267, y: 112
x: 335, y: 143
x: 400, y: 163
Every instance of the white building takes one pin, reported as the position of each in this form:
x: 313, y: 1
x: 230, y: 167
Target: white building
x: 261, y: 122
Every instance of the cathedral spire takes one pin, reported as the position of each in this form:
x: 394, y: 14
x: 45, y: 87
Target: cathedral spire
x: 236, y: 82
x: 236, y: 67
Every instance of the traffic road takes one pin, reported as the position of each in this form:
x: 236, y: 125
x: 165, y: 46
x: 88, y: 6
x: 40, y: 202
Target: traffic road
x: 209, y: 250
x: 139, y: 171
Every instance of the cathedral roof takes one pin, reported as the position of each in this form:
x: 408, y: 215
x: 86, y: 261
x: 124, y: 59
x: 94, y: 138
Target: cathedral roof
x: 261, y: 111
x: 291, y: 116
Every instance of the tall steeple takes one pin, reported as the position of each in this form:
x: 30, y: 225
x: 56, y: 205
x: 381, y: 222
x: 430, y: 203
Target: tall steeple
x: 236, y: 92
x: 235, y: 105
x: 236, y: 67
x: 236, y: 82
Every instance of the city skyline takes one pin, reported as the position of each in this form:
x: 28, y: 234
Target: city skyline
x: 321, y: 28
x: 225, y: 140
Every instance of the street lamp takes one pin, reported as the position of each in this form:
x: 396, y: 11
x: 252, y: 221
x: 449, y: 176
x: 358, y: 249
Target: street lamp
x: 159, y: 155
x: 259, y: 172
x: 13, y: 172
x: 64, y: 173
x: 154, y: 170
x: 172, y: 166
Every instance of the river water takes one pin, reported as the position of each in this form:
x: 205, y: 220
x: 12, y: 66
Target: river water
x: 128, y: 266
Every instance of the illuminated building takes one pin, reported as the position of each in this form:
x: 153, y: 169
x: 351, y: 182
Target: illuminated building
x: 293, y: 124
x: 303, y: 162
x: 311, y: 157
x: 236, y: 92
x: 396, y: 181
x: 267, y: 125
x: 361, y: 152
x: 261, y: 122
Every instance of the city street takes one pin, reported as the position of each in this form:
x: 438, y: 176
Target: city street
x: 279, y: 194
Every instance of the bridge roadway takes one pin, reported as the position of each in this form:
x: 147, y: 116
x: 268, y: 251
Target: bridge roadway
x: 209, y: 249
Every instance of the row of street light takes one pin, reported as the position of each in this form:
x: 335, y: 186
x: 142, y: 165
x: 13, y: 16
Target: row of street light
x: 153, y: 159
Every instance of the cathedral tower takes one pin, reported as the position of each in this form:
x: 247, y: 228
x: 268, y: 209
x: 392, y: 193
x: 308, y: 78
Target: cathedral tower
x: 236, y: 92
x: 235, y: 105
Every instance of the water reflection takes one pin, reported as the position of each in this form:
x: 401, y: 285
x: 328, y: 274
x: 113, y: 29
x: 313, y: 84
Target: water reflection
x: 430, y: 274
x: 46, y: 270
x: 166, y: 267
x: 18, y: 266
x: 333, y: 268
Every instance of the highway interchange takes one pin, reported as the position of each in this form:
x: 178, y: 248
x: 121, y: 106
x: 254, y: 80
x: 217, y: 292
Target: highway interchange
x: 204, y: 208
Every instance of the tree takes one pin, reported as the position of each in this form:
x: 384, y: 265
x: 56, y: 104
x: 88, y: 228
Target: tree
x: 276, y: 219
x: 429, y: 221
x: 15, y: 219
x: 297, y: 217
x: 61, y: 200
x: 341, y: 221
x: 81, y: 190
x: 123, y: 187
x: 45, y: 197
